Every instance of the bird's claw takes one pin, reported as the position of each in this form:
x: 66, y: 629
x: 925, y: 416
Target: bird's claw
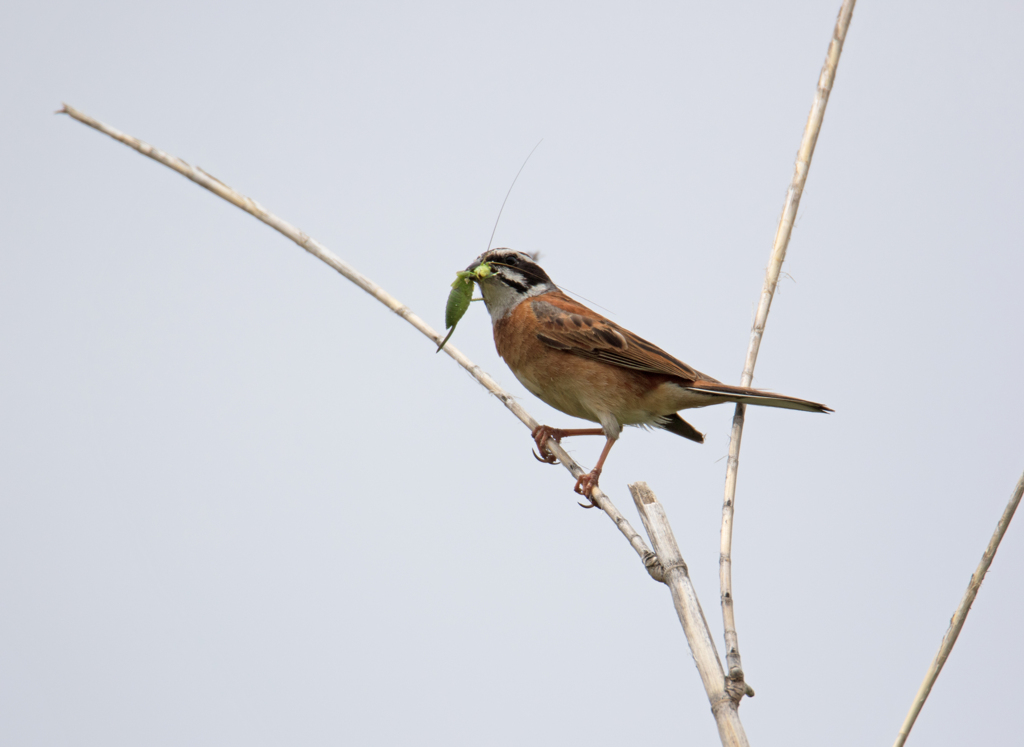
x: 585, y: 485
x: 549, y: 459
x: 541, y: 434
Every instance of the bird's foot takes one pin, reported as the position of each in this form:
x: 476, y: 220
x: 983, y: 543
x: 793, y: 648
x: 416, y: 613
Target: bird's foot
x: 585, y: 485
x: 541, y: 434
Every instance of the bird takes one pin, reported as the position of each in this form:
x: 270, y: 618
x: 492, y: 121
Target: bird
x: 589, y: 367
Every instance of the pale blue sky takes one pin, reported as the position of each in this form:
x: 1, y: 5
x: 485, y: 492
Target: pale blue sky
x: 242, y: 503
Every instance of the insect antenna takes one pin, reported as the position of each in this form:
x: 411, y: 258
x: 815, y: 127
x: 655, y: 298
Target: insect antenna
x: 510, y: 192
x: 498, y: 219
x: 584, y: 298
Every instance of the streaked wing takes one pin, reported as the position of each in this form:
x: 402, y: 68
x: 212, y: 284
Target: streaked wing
x: 592, y: 336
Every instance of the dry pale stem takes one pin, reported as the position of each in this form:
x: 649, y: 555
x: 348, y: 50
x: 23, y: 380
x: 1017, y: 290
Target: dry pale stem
x: 956, y: 623
x: 771, y: 280
x: 695, y: 625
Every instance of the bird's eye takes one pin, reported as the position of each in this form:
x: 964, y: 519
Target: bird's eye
x: 512, y: 261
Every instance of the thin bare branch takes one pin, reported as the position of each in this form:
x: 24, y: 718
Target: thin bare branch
x: 956, y: 623
x: 695, y: 625
x: 771, y: 280
x: 322, y: 253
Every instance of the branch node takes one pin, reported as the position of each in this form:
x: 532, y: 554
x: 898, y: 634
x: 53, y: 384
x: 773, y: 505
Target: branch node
x: 653, y: 566
x: 737, y: 687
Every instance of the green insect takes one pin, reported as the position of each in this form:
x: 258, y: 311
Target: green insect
x: 460, y: 296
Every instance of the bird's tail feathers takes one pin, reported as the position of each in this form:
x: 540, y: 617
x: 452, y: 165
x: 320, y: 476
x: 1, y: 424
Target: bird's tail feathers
x: 755, y: 397
x: 675, y: 424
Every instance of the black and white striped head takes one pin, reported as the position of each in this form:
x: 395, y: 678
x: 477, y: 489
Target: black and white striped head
x: 516, y: 276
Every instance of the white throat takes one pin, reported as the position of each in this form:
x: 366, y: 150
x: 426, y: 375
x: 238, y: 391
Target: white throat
x: 501, y: 299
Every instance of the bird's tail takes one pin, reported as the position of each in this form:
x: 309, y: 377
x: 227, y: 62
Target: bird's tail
x: 749, y: 396
x: 675, y: 424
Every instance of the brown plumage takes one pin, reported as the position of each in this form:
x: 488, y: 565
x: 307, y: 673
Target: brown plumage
x: 589, y: 367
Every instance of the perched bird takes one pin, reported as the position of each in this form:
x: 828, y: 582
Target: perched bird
x: 589, y: 367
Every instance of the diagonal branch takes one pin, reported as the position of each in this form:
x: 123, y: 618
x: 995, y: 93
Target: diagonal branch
x: 956, y: 623
x: 324, y: 254
x: 803, y: 164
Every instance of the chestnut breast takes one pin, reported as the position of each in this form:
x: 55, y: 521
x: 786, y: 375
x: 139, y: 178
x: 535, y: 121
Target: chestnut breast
x: 582, y: 387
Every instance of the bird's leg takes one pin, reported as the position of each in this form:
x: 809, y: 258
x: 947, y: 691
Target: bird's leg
x: 586, y: 483
x: 542, y: 433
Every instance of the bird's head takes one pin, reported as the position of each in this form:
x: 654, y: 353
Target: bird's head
x: 515, y: 276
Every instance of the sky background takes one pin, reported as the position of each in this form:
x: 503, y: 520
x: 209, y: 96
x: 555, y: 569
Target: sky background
x: 243, y: 503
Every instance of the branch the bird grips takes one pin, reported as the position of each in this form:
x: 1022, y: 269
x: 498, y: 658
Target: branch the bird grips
x: 460, y: 296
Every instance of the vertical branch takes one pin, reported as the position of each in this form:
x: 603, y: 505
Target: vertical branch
x: 785, y: 229
x: 956, y: 623
x: 695, y: 625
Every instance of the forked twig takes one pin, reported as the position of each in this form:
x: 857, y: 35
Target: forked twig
x: 956, y: 623
x: 738, y: 687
